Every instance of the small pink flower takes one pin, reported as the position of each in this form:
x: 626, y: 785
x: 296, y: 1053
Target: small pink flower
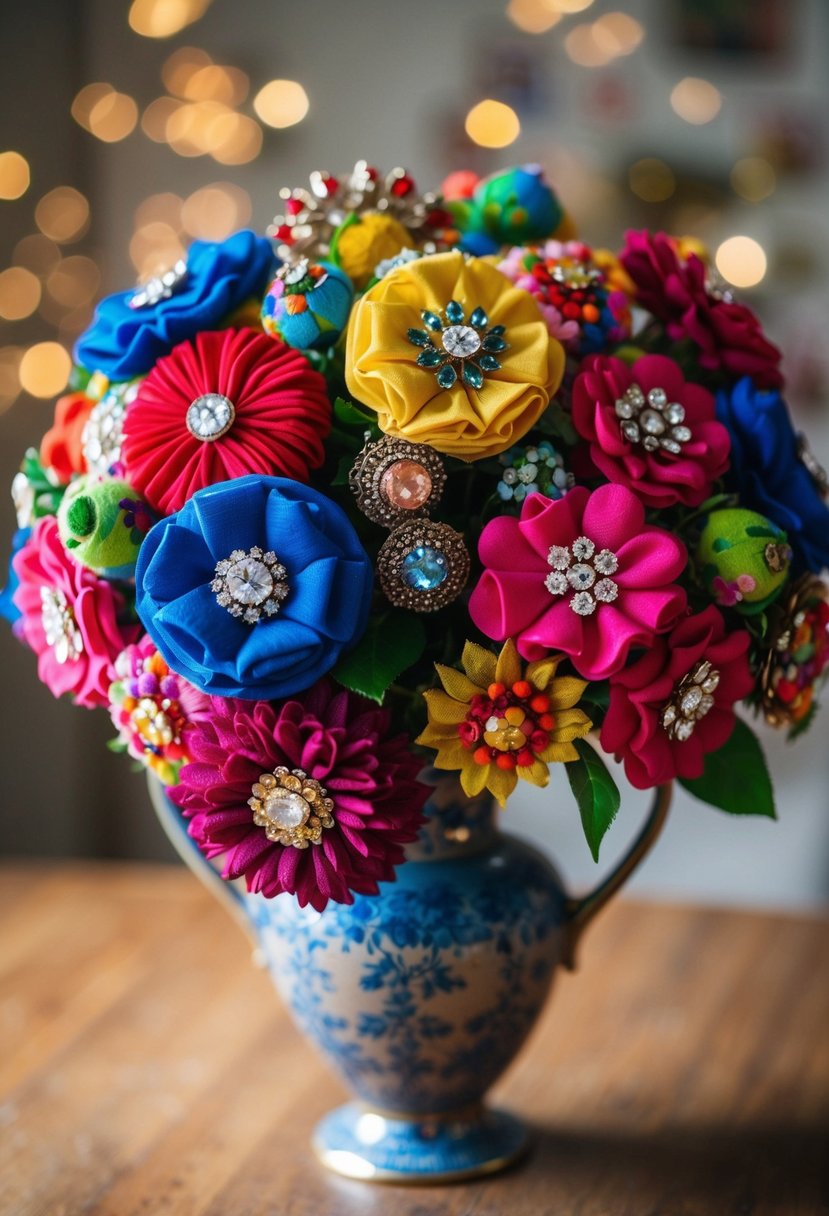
x: 70, y: 618
x: 678, y: 465
x: 584, y: 575
x: 657, y: 746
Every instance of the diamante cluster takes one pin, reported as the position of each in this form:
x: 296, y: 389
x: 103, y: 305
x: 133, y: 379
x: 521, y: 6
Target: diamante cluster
x: 250, y: 584
x: 655, y: 423
x: 292, y: 807
x: 692, y: 699
x: 582, y: 570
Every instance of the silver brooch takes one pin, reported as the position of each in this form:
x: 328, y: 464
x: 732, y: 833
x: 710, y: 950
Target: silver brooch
x: 160, y: 286
x: 250, y: 584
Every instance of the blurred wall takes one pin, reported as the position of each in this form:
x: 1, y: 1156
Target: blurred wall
x: 393, y: 83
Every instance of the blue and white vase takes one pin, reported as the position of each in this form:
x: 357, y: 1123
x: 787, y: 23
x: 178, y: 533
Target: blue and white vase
x: 421, y: 996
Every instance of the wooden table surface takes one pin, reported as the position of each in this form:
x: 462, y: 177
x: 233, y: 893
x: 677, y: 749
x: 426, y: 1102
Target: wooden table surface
x: 147, y: 1067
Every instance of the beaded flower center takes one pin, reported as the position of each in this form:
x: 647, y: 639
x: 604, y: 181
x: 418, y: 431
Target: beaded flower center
x: 583, y: 571
x: 158, y: 721
x: 210, y: 416
x: 103, y: 431
x: 292, y: 807
x: 656, y: 423
x: 690, y: 701
x: 250, y: 584
x: 467, y: 347
x: 508, y: 726
x: 62, y: 634
x: 160, y: 286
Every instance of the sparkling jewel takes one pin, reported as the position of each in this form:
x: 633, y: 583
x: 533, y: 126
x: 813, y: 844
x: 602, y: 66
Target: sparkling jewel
x: 556, y: 582
x: 62, y: 634
x: 250, y: 584
x: 690, y: 701
x: 466, y: 347
x: 655, y: 422
x: 292, y: 807
x: 103, y: 431
x: 583, y: 548
x: 286, y: 810
x: 422, y: 565
x: 210, y: 416
x: 249, y: 581
x: 559, y: 557
x: 424, y: 568
x: 160, y: 287
x: 580, y: 575
x: 583, y: 603
x: 406, y: 485
x: 461, y: 341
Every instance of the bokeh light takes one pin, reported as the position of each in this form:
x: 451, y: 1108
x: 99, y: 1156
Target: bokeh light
x: 44, y: 369
x: 697, y: 101
x: 492, y: 124
x: 742, y: 261
x: 62, y: 214
x: 19, y: 293
x: 213, y: 212
x: 37, y: 253
x: 213, y: 82
x: 572, y: 6
x: 533, y: 16
x: 154, y: 248
x: 281, y: 103
x: 113, y: 117
x: 86, y: 100
x: 157, y: 115
x: 753, y: 178
x: 15, y: 176
x: 584, y: 48
x: 165, y: 206
x: 651, y: 179
x: 10, y: 357
x: 74, y: 281
x: 617, y: 34
x: 180, y: 66
x: 163, y: 18
x: 237, y: 139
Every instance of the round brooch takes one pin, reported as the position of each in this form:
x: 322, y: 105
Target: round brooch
x: 292, y: 807
x: 394, y: 479
x: 250, y: 584
x: 423, y: 566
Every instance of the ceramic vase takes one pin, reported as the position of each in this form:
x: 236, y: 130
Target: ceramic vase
x: 421, y: 996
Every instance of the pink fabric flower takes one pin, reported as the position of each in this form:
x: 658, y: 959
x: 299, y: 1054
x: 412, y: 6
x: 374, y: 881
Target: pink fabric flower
x: 659, y: 477
x: 338, y: 740
x: 633, y: 728
x: 70, y: 618
x: 674, y: 290
x: 585, y: 575
x: 281, y: 416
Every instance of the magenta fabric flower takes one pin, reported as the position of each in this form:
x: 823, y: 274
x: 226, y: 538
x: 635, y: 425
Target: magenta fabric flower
x: 675, y: 704
x: 649, y: 430
x: 309, y: 796
x: 674, y: 290
x: 584, y: 575
x: 70, y: 618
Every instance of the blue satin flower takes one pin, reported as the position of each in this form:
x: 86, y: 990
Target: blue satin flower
x: 123, y: 342
x: 8, y: 608
x: 768, y: 474
x: 329, y: 579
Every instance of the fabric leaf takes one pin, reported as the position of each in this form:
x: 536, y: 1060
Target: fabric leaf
x: 736, y: 778
x: 596, y: 793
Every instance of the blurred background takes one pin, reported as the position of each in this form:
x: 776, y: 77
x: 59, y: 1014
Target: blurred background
x: 127, y: 129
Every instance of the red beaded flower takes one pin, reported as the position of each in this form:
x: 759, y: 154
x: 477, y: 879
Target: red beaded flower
x: 229, y: 403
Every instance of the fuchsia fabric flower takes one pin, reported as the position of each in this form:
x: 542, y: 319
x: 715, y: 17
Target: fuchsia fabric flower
x: 70, y: 618
x: 584, y: 575
x: 229, y: 403
x: 679, y: 462
x: 654, y: 747
x: 334, y: 738
x: 674, y: 290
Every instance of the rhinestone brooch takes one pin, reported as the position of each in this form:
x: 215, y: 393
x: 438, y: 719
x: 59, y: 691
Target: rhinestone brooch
x: 393, y: 479
x: 250, y: 584
x: 582, y: 571
x: 104, y: 428
x: 691, y: 700
x: 292, y: 807
x: 453, y: 345
x: 160, y: 286
x: 423, y: 566
x: 62, y: 634
x: 210, y: 416
x: 656, y: 423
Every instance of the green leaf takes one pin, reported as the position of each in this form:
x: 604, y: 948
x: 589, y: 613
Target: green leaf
x: 116, y: 745
x: 596, y: 793
x: 350, y: 414
x: 735, y: 778
x: 387, y: 648
x: 344, y: 467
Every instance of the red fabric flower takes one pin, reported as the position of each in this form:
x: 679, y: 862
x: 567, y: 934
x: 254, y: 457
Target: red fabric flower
x: 336, y: 739
x: 659, y: 477
x: 727, y: 333
x: 61, y: 447
x: 633, y: 728
x: 280, y: 416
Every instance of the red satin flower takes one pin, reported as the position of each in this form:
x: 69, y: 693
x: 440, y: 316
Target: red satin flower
x: 276, y: 416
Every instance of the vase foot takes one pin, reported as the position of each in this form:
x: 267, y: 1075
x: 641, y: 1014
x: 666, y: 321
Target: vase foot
x: 360, y: 1143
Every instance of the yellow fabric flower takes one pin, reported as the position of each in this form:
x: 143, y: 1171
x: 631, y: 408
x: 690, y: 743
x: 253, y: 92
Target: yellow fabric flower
x: 496, y: 723
x: 366, y: 240
x: 382, y: 372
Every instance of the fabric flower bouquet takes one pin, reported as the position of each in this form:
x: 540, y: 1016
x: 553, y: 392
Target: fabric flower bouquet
x: 423, y: 480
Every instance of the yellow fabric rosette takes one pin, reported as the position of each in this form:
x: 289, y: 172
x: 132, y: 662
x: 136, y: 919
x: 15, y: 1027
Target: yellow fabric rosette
x: 382, y: 373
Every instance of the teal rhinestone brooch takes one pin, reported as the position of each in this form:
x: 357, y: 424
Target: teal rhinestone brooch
x: 453, y: 346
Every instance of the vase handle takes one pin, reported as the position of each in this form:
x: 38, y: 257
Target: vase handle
x: 580, y: 912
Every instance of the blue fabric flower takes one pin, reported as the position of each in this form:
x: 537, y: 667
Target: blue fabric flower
x: 123, y: 342
x: 768, y: 474
x: 329, y: 578
x: 8, y: 608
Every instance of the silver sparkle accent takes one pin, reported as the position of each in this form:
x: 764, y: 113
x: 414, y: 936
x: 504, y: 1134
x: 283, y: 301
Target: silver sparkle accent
x: 23, y: 497
x: 654, y: 423
x: 387, y: 265
x: 461, y: 341
x: 160, y: 286
x: 691, y: 700
x: 250, y: 585
x: 210, y: 416
x: 580, y: 576
x: 62, y: 634
x: 103, y: 431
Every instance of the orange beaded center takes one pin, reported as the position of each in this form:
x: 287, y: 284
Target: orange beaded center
x: 508, y: 727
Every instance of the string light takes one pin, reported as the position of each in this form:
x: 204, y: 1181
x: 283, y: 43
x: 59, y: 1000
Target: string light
x: 742, y: 261
x: 15, y: 176
x: 492, y: 124
x: 44, y: 369
x: 281, y: 103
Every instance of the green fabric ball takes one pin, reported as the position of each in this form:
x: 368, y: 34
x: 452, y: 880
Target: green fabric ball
x: 97, y: 530
x: 743, y: 559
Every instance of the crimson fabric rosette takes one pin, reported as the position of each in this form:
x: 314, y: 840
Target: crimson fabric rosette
x: 254, y: 588
x: 674, y: 705
x: 229, y: 403
x: 335, y: 747
x: 584, y: 575
x: 649, y: 429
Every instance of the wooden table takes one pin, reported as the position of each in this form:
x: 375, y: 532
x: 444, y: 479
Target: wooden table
x: 147, y: 1067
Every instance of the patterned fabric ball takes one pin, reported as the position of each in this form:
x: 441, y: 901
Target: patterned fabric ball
x: 743, y: 559
x: 307, y: 305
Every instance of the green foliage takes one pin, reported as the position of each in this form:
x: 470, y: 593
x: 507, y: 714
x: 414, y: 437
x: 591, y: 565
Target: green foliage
x: 596, y: 793
x: 351, y: 415
x: 736, y: 778
x: 388, y: 647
